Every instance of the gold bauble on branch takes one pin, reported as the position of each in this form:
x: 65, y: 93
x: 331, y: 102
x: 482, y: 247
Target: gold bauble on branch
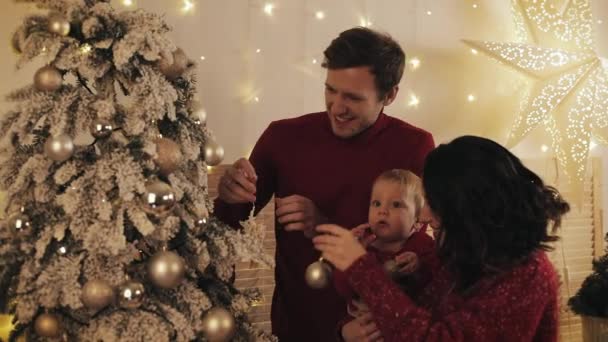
x: 97, y: 294
x: 214, y: 153
x: 58, y: 24
x: 20, y: 225
x: 48, y: 78
x: 131, y: 294
x: 168, y: 156
x: 159, y: 198
x: 101, y: 128
x: 318, y: 274
x: 218, y: 325
x: 199, y: 115
x: 59, y: 148
x: 175, y: 69
x: 166, y: 269
x: 47, y: 325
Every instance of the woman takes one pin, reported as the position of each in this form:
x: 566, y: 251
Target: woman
x: 495, y: 282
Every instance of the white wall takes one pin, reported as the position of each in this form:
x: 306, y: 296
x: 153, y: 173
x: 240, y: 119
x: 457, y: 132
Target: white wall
x: 287, y: 83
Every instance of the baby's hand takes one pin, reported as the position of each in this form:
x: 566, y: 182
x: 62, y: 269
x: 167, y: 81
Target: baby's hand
x: 407, y: 263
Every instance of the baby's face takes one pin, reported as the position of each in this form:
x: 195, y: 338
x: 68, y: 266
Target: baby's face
x: 392, y: 211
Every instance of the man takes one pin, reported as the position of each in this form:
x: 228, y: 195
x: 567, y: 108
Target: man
x: 320, y: 168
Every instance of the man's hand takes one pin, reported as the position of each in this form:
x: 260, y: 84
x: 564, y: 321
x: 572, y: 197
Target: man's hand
x: 298, y: 213
x: 361, y: 329
x: 238, y: 183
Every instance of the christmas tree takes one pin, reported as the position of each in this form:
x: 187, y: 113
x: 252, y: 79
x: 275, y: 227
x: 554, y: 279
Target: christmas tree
x: 104, y: 164
x: 592, y: 299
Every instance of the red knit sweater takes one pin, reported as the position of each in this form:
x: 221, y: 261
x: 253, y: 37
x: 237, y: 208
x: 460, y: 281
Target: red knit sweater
x: 518, y: 305
x: 302, y: 156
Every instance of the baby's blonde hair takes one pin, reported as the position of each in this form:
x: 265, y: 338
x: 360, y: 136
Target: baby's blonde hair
x: 410, y: 183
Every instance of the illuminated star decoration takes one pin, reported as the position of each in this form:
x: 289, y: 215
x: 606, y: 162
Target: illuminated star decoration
x: 569, y: 96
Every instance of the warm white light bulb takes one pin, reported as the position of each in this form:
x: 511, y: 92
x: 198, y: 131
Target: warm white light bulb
x: 314, y: 61
x: 188, y: 6
x: 474, y: 5
x: 415, y: 63
x: 471, y: 98
x: 320, y: 15
x: 414, y: 101
x: 258, y: 50
x: 127, y: 2
x: 202, y: 58
x: 269, y: 8
x: 544, y: 148
x: 473, y: 51
x: 429, y: 12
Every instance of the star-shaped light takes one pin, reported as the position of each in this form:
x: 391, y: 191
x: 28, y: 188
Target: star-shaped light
x: 569, y: 96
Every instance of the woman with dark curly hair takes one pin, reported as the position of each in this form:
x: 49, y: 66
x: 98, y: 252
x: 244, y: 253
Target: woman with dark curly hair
x: 492, y: 217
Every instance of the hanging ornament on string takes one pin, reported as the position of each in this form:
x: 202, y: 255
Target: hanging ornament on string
x: 48, y: 78
x: 159, y: 198
x: 218, y: 325
x: 59, y: 148
x: 166, y: 269
x: 101, y: 128
x: 20, y: 225
x: 47, y: 325
x: 318, y: 274
x: 131, y: 294
x: 175, y: 69
x: 168, y: 156
x: 199, y: 115
x: 58, y: 24
x: 97, y: 294
x: 214, y: 152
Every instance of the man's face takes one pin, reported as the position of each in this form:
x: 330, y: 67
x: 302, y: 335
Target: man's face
x: 352, y: 100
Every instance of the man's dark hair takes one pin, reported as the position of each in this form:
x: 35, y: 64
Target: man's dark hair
x: 361, y: 46
x: 493, y: 211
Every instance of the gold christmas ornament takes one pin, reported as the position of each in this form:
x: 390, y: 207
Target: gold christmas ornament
x: 168, y: 156
x: 318, y: 274
x: 59, y: 148
x: 159, y: 198
x: 177, y: 68
x: 166, y: 269
x: 214, y: 153
x: 131, y: 294
x: 97, y: 294
x: 48, y: 78
x: 58, y: 24
x: 47, y: 325
x: 199, y: 115
x: 101, y: 128
x: 20, y: 225
x: 218, y: 325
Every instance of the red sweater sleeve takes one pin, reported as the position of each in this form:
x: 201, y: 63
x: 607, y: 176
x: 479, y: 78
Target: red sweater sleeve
x: 262, y: 160
x: 426, y: 145
x: 511, y: 308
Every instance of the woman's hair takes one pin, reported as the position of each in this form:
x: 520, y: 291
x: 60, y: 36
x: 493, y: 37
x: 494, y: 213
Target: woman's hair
x: 410, y: 183
x: 494, y: 212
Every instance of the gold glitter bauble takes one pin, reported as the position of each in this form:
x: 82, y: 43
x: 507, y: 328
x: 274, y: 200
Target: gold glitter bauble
x: 48, y: 78
x: 168, y: 156
x: 214, y: 153
x: 59, y: 148
x: 47, y: 325
x: 159, y: 198
x: 101, y: 128
x: 19, y: 225
x: 177, y: 68
x: 58, y: 24
x: 97, y: 294
x: 318, y: 275
x: 166, y: 269
x: 199, y: 115
x: 131, y: 294
x: 218, y: 325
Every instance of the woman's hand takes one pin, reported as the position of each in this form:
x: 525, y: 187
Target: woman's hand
x: 361, y: 329
x: 338, y: 246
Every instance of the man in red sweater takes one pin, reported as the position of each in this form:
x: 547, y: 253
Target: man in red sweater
x: 320, y: 168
